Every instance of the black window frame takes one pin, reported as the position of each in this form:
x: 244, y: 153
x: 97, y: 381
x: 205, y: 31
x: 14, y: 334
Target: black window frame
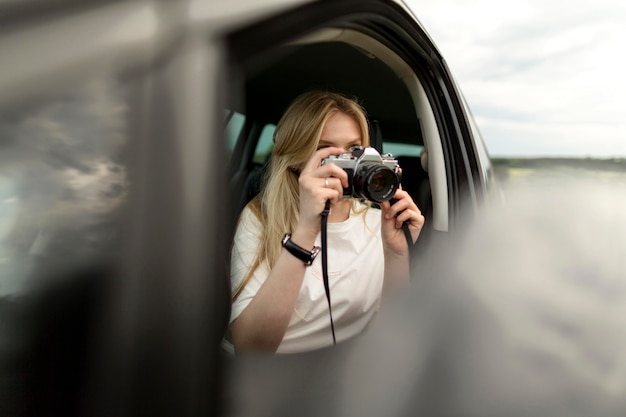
x: 388, y: 23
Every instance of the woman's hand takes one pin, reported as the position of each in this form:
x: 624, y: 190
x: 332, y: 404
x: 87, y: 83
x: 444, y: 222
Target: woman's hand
x: 319, y: 183
x: 395, y: 244
x: 394, y: 215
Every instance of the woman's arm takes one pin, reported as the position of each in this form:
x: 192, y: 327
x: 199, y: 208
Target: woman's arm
x: 263, y: 323
x: 395, y: 246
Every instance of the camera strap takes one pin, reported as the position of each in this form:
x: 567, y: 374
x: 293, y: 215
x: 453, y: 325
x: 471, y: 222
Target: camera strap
x: 407, y: 235
x: 325, y: 265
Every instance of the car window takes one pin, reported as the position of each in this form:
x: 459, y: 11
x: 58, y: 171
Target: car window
x: 402, y: 149
x: 234, y: 125
x: 265, y: 144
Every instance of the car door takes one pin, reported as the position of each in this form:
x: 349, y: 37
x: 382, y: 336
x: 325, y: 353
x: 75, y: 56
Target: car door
x: 113, y: 292
x: 378, y: 52
x: 115, y: 168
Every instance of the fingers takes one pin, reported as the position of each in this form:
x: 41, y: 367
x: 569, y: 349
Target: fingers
x: 336, y: 184
x: 320, y: 183
x: 403, y: 210
x: 414, y: 218
x: 335, y: 174
x: 315, y: 169
x: 403, y: 202
x: 318, y: 188
x: 316, y: 160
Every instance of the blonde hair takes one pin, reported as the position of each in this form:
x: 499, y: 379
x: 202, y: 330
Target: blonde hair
x: 296, y: 139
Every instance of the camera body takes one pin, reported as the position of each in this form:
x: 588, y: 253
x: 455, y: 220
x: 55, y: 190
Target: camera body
x: 371, y: 176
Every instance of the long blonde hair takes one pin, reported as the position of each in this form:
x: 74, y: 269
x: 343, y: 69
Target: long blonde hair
x: 296, y: 139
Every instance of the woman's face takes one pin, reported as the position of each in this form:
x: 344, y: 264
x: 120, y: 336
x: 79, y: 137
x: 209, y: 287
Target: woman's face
x: 340, y: 131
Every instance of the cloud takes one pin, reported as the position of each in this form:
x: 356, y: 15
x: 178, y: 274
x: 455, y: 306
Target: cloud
x: 539, y: 67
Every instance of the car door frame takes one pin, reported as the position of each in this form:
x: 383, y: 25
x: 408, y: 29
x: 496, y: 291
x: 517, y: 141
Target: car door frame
x: 390, y: 24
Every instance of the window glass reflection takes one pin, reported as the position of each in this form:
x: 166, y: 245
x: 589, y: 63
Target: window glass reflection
x: 62, y: 182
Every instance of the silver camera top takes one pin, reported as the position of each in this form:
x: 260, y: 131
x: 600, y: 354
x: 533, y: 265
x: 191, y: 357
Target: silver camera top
x: 360, y: 154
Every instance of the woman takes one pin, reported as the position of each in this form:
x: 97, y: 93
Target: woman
x: 279, y: 302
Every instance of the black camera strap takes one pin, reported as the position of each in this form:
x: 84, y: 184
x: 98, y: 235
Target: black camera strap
x: 407, y: 235
x: 325, y: 265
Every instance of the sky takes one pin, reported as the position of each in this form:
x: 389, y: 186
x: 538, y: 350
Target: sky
x: 542, y: 77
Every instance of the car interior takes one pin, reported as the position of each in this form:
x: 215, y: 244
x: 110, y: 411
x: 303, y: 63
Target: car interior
x: 353, y: 63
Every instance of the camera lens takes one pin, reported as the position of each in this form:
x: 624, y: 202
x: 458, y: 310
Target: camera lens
x: 375, y: 182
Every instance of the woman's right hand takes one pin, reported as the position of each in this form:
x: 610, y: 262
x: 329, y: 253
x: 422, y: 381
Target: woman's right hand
x: 319, y: 183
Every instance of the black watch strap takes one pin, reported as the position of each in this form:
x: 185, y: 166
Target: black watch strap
x: 299, y: 252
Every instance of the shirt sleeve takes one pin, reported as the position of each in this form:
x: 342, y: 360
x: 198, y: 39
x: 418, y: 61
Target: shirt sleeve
x: 244, y: 252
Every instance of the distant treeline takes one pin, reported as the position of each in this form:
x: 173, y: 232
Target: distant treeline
x: 594, y: 164
x: 555, y: 170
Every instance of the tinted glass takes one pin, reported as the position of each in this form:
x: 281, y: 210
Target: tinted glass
x: 404, y: 149
x: 265, y: 145
x: 234, y: 125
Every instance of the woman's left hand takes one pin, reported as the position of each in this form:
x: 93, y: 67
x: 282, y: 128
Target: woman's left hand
x: 394, y: 215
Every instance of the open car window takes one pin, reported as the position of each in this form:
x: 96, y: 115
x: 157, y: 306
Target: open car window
x: 355, y: 62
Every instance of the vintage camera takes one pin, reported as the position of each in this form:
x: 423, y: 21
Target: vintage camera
x: 371, y: 176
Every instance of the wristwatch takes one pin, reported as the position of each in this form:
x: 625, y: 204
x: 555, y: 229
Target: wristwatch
x: 299, y: 252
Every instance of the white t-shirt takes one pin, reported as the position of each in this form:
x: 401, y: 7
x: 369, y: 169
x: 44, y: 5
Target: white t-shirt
x: 355, y: 274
